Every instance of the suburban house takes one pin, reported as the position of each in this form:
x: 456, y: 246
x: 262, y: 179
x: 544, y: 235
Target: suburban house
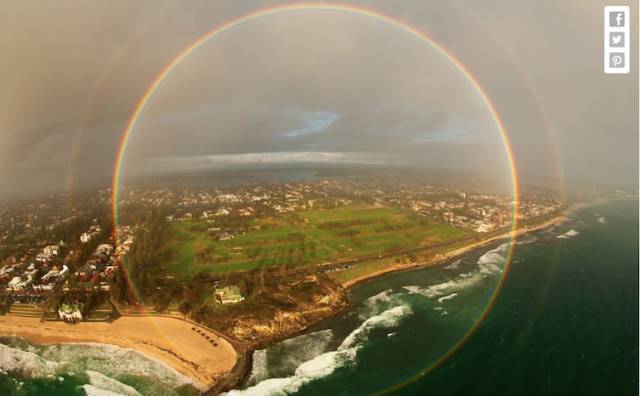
x: 228, y: 295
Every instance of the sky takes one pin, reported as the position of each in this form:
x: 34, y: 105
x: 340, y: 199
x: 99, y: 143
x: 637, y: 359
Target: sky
x: 310, y: 87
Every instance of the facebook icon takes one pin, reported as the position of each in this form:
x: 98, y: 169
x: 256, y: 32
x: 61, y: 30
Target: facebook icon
x: 616, y: 19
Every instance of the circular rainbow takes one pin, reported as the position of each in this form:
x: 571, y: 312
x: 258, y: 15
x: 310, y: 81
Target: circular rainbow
x: 375, y: 15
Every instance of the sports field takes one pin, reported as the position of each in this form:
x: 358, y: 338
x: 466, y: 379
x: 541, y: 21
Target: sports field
x: 304, y: 238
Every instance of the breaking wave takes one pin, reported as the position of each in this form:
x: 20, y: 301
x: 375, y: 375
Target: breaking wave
x: 104, y: 365
x: 568, y: 234
x: 113, y: 361
x: 412, y: 289
x: 320, y: 366
x: 379, y: 302
x: 454, y: 265
x: 448, y: 297
x: 100, y: 383
x: 259, y: 369
x: 388, y: 318
x: 489, y: 264
x: 326, y: 363
x: 282, y: 359
x: 26, y: 364
x: 91, y: 390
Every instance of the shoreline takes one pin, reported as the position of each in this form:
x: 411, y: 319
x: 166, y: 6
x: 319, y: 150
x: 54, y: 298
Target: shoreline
x: 169, y: 341
x: 208, y: 372
x: 440, y: 258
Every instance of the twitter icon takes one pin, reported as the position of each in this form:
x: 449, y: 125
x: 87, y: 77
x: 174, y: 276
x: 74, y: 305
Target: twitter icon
x: 616, y: 39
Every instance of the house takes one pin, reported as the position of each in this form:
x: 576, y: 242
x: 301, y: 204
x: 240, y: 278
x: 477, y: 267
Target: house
x: 14, y: 283
x: 228, y: 295
x: 85, y: 237
x: 222, y: 212
x: 104, y: 250
x: 70, y: 313
x: 55, y: 273
x: 90, y: 234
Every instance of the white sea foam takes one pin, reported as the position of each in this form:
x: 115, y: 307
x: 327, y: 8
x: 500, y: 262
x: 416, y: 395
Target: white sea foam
x: 326, y: 363
x: 309, y: 345
x: 447, y: 297
x: 289, y: 355
x: 378, y: 303
x: 454, y: 265
x: 383, y: 296
x: 388, y: 318
x: 91, y: 390
x: 568, y: 234
x: 489, y: 264
x: 108, y: 361
x: 455, y: 285
x: 28, y: 364
x: 602, y: 220
x: 113, y: 361
x: 412, y: 289
x: 259, y: 370
x: 319, y: 367
x: 494, y: 256
x: 102, y: 382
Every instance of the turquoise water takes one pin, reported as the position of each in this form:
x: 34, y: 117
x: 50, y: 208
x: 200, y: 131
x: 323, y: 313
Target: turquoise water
x: 566, y: 322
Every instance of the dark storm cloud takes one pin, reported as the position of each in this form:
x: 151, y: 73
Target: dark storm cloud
x: 327, y: 86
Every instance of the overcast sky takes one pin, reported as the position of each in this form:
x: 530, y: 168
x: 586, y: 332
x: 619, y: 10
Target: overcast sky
x: 310, y: 86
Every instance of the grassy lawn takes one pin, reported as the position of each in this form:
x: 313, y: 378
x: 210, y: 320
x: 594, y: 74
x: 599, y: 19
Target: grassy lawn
x: 369, y: 267
x: 365, y: 268
x: 304, y: 238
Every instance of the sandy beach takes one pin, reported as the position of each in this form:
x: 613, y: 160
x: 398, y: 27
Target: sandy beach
x: 440, y: 258
x: 167, y: 339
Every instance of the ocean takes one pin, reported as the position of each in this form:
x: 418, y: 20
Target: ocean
x: 84, y: 369
x: 564, y: 322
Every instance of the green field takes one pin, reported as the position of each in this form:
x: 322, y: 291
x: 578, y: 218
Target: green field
x: 303, y: 238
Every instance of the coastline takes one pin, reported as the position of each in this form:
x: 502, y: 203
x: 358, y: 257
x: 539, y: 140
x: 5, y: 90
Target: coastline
x: 442, y: 257
x: 170, y: 341
x: 438, y: 259
x: 557, y: 220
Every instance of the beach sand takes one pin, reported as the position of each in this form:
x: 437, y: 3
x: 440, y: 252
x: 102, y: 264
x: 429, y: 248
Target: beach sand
x: 170, y: 340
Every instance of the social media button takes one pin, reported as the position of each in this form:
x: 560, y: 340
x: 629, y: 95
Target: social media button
x: 616, y: 39
x: 617, y: 36
x: 616, y: 19
x: 616, y: 60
